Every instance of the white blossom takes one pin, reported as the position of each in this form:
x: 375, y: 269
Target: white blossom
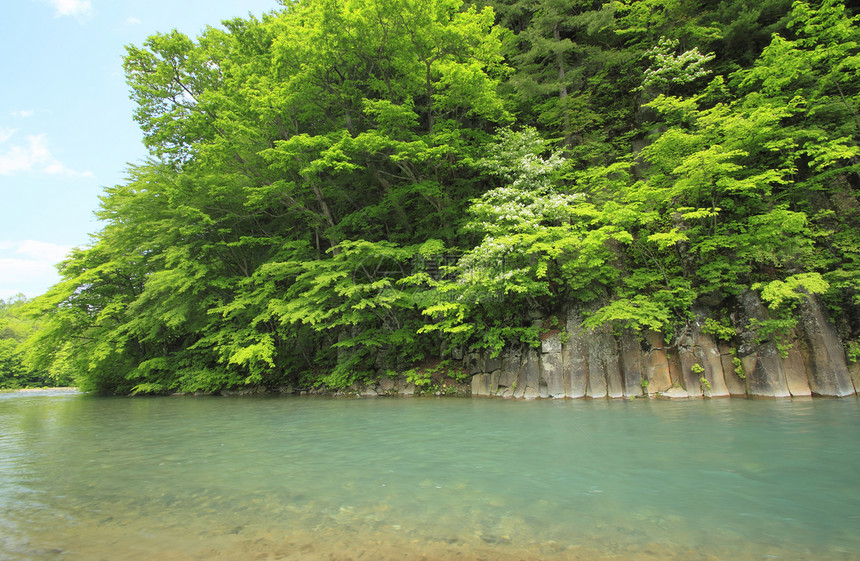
x: 671, y: 68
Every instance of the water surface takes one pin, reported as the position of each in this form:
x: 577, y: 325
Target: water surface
x: 85, y: 478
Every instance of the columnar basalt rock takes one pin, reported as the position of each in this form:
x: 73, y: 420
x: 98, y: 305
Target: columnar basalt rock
x: 508, y: 375
x: 604, y: 372
x: 632, y: 361
x: 597, y: 363
x: 574, y: 361
x: 481, y: 383
x: 854, y: 373
x: 688, y: 365
x: 794, y: 368
x: 552, y: 366
x: 733, y: 373
x: 711, y: 378
x: 656, y: 363
x: 529, y: 385
x: 823, y: 354
x: 678, y: 388
x: 758, y: 351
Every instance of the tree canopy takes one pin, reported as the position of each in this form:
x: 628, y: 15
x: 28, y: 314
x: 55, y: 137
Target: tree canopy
x: 341, y: 189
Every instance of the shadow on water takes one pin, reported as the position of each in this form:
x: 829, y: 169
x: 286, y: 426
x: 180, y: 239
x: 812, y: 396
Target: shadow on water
x: 321, y: 478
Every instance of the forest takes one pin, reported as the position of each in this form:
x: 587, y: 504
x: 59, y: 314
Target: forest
x: 343, y: 189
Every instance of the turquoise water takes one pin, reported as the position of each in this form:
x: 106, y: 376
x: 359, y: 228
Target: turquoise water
x: 85, y: 478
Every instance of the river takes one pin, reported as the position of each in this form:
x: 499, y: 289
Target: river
x: 253, y: 478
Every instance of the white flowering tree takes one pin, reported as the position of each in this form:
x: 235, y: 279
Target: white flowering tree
x: 668, y: 67
x: 542, y: 245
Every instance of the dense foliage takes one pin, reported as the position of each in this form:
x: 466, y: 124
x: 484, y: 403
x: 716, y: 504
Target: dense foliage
x: 340, y: 189
x: 16, y: 327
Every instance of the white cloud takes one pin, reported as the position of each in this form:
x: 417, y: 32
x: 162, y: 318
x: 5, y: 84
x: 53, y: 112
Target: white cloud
x: 59, y: 168
x: 28, y: 267
x: 43, y: 251
x: 23, y: 113
x: 35, y: 156
x: 16, y: 159
x: 133, y: 21
x: 80, y: 9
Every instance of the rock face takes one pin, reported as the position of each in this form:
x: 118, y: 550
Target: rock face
x: 657, y: 377
x: 552, y: 366
x: 822, y: 352
x: 759, y: 353
x: 600, y: 364
x: 574, y: 363
x: 632, y: 363
x: 733, y: 372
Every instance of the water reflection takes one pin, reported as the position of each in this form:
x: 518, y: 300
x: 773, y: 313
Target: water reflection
x: 312, y: 478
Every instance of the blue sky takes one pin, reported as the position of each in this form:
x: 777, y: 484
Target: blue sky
x: 66, y: 127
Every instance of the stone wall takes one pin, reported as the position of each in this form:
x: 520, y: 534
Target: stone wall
x: 596, y: 363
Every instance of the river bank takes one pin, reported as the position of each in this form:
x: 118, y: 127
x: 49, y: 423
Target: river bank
x: 742, y: 360
x: 63, y: 389
x: 331, y: 542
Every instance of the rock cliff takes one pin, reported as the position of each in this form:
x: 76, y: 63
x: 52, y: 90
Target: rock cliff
x: 597, y: 363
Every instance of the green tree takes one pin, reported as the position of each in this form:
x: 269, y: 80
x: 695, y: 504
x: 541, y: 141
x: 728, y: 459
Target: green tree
x: 16, y: 325
x: 730, y: 194
x: 542, y: 247
x: 341, y: 188
x: 284, y: 150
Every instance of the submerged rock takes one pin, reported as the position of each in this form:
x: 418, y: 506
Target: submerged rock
x: 675, y: 392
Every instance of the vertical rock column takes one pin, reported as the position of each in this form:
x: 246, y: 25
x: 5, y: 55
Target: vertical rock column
x: 480, y: 378
x: 508, y: 375
x: 708, y: 356
x: 529, y: 383
x: 688, y: 360
x: 736, y: 385
x: 680, y: 383
x: 794, y: 368
x: 822, y: 352
x: 644, y: 363
x: 552, y: 366
x: 604, y: 372
x: 632, y: 364
x: 656, y: 363
x: 574, y: 358
x: 760, y: 358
